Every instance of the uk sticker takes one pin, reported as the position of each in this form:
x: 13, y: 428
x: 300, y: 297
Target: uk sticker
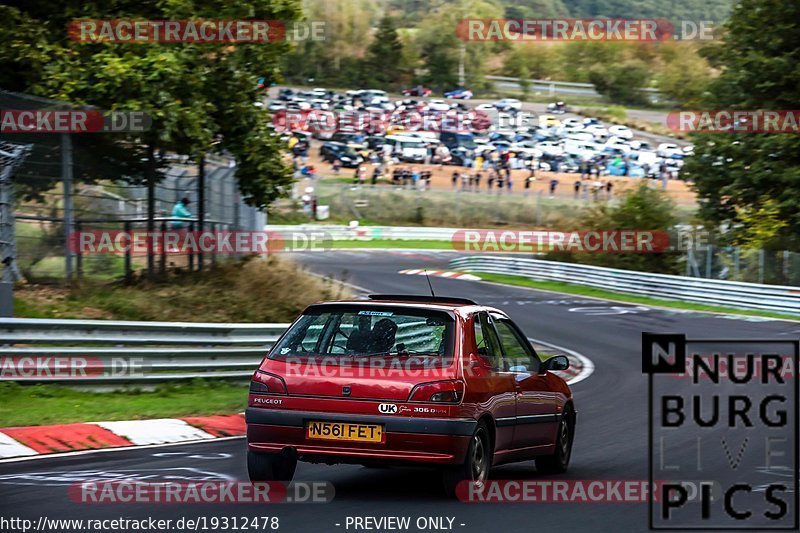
x: 723, y: 412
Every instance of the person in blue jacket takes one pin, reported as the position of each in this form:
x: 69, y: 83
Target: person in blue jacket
x: 181, y: 212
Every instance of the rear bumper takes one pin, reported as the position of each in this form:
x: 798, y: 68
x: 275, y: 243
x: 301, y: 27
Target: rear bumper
x: 408, y: 440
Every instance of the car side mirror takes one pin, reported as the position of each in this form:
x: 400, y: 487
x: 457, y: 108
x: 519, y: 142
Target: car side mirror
x: 480, y: 360
x: 557, y: 362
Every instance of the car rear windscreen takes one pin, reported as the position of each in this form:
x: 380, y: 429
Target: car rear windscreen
x: 354, y: 331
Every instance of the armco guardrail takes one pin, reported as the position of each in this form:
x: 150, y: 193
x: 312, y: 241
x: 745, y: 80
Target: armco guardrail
x: 776, y: 298
x: 346, y: 233
x: 143, y: 351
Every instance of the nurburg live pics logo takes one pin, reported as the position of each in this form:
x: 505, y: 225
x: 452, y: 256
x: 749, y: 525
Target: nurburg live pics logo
x: 731, y: 421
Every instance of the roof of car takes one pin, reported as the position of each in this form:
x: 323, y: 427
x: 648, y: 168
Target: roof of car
x: 410, y: 300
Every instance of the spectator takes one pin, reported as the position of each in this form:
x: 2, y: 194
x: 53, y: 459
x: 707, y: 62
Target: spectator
x: 454, y: 179
x: 337, y: 164
x: 180, y: 212
x: 609, y: 186
x: 376, y: 173
x: 528, y: 181
x: 478, y: 177
x: 577, y: 186
x: 553, y: 185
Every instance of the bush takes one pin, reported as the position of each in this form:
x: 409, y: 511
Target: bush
x: 642, y: 208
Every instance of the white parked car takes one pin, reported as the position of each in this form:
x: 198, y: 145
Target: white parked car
x: 688, y: 149
x: 668, y: 150
x: 580, y: 136
x: 642, y: 146
x: 438, y: 105
x: 485, y: 107
x: 600, y: 132
x: 551, y: 148
x: 507, y: 104
x: 572, y: 123
x: 620, y: 131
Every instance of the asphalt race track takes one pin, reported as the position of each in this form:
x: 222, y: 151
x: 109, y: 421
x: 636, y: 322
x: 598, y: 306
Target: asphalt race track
x: 611, y: 440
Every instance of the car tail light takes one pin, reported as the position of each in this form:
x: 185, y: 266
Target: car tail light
x: 265, y: 383
x: 450, y: 391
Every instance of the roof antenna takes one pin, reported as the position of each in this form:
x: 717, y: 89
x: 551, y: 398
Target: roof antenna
x: 427, y: 277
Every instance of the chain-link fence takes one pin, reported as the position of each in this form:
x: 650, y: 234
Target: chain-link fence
x: 84, y: 182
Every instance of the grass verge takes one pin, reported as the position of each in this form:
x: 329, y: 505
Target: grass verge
x: 580, y: 290
x: 33, y: 405
x: 268, y: 290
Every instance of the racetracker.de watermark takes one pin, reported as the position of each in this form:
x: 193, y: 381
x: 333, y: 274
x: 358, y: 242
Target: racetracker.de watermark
x: 195, y: 31
x: 735, y: 121
x: 411, y: 120
x: 572, y: 491
x: 42, y: 367
x: 182, y: 241
x: 565, y: 29
x: 200, y: 492
x: 73, y: 121
x: 593, y: 241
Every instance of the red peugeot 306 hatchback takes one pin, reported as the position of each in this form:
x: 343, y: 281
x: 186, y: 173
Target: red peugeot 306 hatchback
x: 412, y: 380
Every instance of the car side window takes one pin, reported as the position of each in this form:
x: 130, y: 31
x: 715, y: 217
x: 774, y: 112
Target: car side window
x: 520, y: 356
x: 487, y: 342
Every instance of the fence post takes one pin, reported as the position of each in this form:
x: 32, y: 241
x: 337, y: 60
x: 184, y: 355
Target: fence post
x: 736, y: 263
x: 128, y: 252
x: 709, y: 260
x: 191, y: 255
x: 786, y: 266
x: 214, y: 253
x: 78, y: 254
x: 163, y: 265
x: 201, y: 201
x: 761, y: 265
x: 66, y: 179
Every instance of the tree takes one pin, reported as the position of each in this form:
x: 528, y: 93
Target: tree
x: 621, y: 82
x: 383, y: 65
x: 196, y: 94
x: 735, y: 174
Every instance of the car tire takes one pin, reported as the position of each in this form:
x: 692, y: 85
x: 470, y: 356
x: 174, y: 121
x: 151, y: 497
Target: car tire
x: 271, y: 466
x: 558, y: 462
x: 476, y: 464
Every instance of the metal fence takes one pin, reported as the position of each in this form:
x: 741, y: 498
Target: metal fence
x: 776, y: 298
x: 67, y: 181
x: 562, y: 88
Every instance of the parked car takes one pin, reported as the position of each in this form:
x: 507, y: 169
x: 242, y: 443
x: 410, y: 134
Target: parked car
x: 668, y: 149
x: 331, y: 151
x: 548, y: 121
x: 407, y: 148
x: 419, y: 90
x: 459, y: 94
x: 508, y: 104
x: 286, y: 94
x: 620, y: 131
x: 477, y: 394
x: 557, y: 108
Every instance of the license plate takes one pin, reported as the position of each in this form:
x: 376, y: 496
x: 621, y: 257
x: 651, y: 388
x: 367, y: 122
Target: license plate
x: 344, y: 431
